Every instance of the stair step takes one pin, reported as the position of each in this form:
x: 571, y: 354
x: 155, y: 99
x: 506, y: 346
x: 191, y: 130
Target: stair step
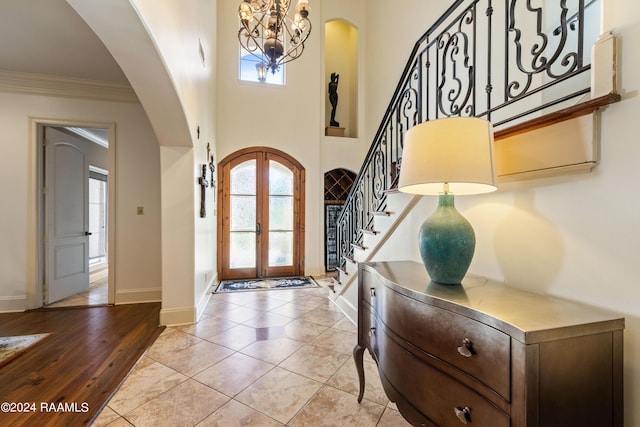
x: 335, y: 283
x: 358, y: 246
x: 383, y: 222
x: 343, y: 270
x: 351, y: 260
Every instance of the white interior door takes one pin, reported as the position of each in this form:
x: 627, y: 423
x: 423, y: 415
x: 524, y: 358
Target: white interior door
x: 67, y: 212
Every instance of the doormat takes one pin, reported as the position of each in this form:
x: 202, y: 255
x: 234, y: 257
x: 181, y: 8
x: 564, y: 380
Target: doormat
x: 13, y: 347
x: 266, y: 284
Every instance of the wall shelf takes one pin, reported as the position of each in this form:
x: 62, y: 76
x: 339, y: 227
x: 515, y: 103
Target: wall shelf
x: 559, y: 143
x: 568, y: 113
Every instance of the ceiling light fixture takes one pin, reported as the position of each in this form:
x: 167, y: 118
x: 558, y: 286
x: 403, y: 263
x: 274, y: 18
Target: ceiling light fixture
x: 268, y: 33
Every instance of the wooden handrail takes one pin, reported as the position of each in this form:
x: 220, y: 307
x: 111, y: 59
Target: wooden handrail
x: 568, y: 113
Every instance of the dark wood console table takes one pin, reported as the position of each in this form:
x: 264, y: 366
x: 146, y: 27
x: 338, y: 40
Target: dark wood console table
x: 484, y: 354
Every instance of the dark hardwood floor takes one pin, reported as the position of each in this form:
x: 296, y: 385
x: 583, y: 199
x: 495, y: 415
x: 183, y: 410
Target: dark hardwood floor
x: 70, y: 375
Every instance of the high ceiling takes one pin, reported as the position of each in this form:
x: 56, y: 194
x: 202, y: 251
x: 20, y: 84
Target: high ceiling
x: 48, y: 37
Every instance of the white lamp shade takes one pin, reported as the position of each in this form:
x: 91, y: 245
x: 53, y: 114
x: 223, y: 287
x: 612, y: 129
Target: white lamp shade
x: 457, y: 151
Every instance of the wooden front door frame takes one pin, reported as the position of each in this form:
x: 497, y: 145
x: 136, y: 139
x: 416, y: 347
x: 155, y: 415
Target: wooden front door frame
x: 299, y: 204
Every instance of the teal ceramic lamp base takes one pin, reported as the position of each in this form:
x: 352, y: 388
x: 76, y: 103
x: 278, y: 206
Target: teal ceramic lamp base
x: 447, y: 243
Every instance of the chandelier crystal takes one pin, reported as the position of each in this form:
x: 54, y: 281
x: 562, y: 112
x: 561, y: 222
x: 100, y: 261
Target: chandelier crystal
x: 268, y: 32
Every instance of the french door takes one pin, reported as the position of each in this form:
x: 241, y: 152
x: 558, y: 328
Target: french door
x: 261, y: 228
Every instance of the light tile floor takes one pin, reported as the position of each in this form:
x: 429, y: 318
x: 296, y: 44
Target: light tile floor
x: 263, y: 358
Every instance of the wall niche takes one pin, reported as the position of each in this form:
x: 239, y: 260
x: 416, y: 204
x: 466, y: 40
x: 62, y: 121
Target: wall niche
x: 341, y: 58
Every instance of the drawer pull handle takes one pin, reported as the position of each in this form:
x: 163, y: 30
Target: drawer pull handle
x: 372, y: 292
x: 463, y: 414
x: 372, y: 331
x: 466, y: 349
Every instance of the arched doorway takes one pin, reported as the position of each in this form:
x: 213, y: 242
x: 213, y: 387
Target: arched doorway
x: 261, y: 225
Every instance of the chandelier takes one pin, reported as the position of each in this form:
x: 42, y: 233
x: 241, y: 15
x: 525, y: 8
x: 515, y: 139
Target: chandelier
x: 268, y: 33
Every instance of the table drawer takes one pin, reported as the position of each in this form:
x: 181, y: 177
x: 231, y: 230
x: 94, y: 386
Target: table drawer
x: 369, y: 288
x: 530, y: 359
x: 367, y: 328
x: 441, y: 399
x: 477, y: 349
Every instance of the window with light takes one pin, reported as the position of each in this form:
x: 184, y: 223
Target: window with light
x: 252, y: 69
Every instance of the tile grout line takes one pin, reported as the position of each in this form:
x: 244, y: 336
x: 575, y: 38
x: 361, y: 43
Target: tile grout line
x: 305, y: 343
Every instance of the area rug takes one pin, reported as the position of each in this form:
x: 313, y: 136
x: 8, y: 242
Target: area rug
x: 13, y: 347
x: 265, y: 284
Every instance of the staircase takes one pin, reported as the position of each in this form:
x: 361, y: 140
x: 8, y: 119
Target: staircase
x: 384, y: 224
x: 457, y: 68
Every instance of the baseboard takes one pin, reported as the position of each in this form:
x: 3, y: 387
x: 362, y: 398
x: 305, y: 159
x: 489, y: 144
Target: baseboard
x: 177, y: 316
x: 204, y: 298
x: 347, y: 309
x: 13, y: 304
x: 135, y: 296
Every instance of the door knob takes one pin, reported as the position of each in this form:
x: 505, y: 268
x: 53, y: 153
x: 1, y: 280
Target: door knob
x: 88, y: 233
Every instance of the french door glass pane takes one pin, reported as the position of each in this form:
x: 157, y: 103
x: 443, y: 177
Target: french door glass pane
x: 281, y: 213
x: 242, y: 212
x: 243, y: 178
x: 243, y: 249
x: 280, y: 248
x: 280, y: 180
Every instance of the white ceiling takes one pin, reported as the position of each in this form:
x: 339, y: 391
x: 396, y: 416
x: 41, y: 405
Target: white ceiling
x: 48, y: 37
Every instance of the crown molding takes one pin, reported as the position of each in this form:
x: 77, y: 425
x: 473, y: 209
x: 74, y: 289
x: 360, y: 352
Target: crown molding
x: 68, y: 87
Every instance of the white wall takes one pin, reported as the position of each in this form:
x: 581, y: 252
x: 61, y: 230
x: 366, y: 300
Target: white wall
x: 574, y: 237
x: 167, y: 52
x: 185, y: 37
x: 346, y: 153
x: 289, y: 118
x: 137, y: 168
x: 392, y: 33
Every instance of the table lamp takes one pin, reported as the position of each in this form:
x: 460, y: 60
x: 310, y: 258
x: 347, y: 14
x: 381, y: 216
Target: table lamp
x: 446, y: 157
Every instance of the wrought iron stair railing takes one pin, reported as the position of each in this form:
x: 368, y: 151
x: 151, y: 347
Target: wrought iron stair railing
x: 507, y: 61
